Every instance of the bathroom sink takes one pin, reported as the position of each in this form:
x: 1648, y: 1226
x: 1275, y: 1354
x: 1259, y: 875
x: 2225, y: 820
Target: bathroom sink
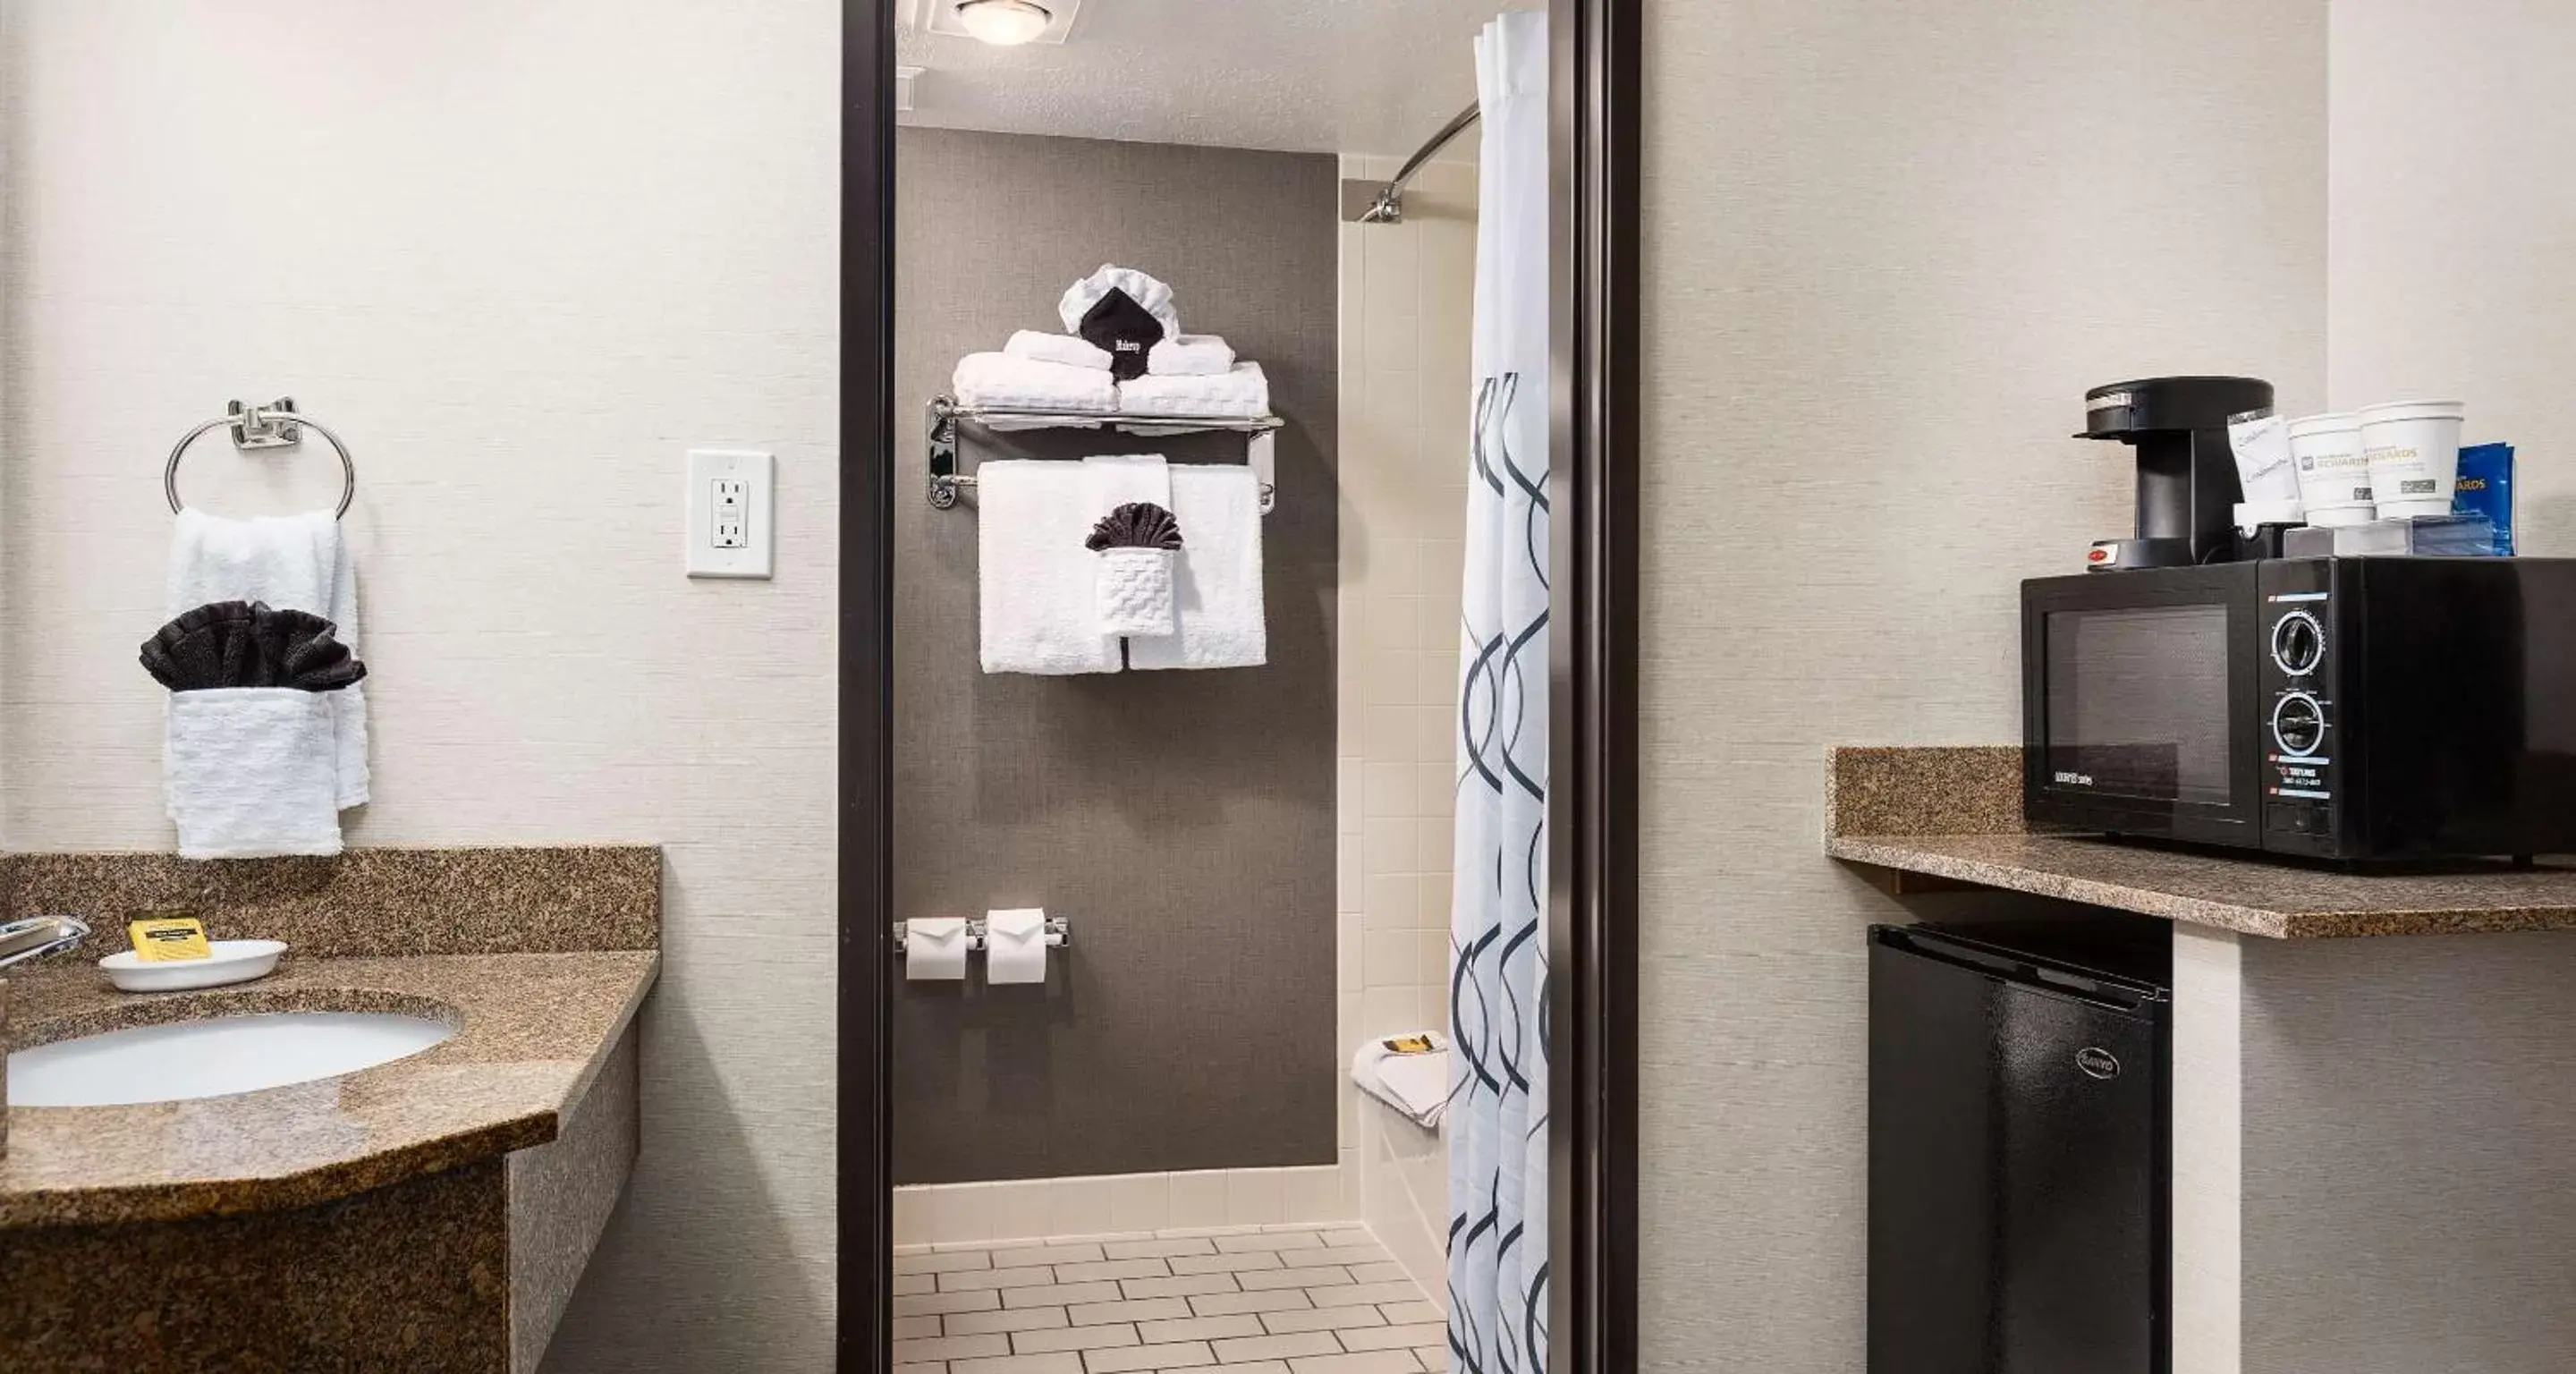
x: 230, y: 1054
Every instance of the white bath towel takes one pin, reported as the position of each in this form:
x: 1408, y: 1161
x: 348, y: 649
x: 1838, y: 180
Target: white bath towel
x: 1241, y: 392
x: 1034, y: 577
x: 1217, y: 578
x: 295, y: 563
x: 1126, y: 477
x: 1063, y: 349
x: 1001, y: 382
x: 1407, y: 1072
x: 249, y: 773
x: 1144, y: 290
x: 1191, y: 355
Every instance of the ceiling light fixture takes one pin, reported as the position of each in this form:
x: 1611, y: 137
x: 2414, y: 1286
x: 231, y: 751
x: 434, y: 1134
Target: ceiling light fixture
x: 1004, y: 23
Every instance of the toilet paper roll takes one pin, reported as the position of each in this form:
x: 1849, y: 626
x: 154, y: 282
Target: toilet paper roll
x: 1015, y: 946
x: 934, y: 949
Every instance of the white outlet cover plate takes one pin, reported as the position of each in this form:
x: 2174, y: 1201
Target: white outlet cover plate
x: 752, y: 552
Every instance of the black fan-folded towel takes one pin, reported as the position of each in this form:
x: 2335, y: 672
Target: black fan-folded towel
x: 1124, y: 330
x: 250, y: 644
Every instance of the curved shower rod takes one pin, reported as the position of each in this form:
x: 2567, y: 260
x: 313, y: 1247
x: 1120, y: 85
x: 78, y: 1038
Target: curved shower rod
x: 1387, y: 207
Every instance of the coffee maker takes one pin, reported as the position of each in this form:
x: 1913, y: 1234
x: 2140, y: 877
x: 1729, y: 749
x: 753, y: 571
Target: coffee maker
x: 2187, y: 487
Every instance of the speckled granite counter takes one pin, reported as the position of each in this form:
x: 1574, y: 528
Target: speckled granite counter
x: 431, y: 1214
x: 532, y: 1032
x: 1952, y: 813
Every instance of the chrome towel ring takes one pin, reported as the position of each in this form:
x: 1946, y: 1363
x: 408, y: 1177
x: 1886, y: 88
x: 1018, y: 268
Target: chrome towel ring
x: 277, y: 425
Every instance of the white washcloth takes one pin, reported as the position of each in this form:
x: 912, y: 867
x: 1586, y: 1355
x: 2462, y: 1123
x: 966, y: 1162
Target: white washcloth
x: 1034, y: 578
x: 1241, y: 392
x: 1415, y: 1083
x: 294, y: 563
x: 1217, y: 578
x: 1063, y: 349
x: 249, y: 773
x: 1126, y: 477
x: 1190, y: 355
x: 1144, y: 290
x: 1002, y: 382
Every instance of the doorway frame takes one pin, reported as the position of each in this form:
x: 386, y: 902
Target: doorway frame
x: 1593, y: 230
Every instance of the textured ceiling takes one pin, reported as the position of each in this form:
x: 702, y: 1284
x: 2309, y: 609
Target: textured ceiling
x: 1332, y: 76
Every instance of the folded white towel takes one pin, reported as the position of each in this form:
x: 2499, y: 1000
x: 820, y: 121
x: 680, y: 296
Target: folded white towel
x: 1241, y: 392
x: 1217, y: 578
x: 1191, y: 355
x: 1034, y: 578
x: 295, y: 563
x: 1062, y: 349
x: 1001, y: 382
x: 250, y: 773
x: 1144, y: 290
x: 1134, y: 587
x: 1414, y: 1081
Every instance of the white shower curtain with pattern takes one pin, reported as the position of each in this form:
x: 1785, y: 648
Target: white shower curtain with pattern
x: 1497, y: 1122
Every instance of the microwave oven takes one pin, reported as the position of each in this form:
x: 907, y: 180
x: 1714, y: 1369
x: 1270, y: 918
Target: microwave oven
x: 2353, y: 709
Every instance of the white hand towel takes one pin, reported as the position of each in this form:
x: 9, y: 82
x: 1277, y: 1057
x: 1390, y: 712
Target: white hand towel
x: 1190, y: 355
x: 1242, y: 392
x: 1217, y: 578
x: 1062, y: 349
x: 250, y: 774
x: 1415, y: 1083
x: 1034, y: 577
x: 295, y: 563
x: 1002, y: 382
x: 1144, y: 290
x: 1134, y: 586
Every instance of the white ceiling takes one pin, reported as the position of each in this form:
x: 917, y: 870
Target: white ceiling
x: 1329, y: 76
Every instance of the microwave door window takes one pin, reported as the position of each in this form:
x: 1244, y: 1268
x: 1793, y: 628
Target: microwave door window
x: 2138, y: 703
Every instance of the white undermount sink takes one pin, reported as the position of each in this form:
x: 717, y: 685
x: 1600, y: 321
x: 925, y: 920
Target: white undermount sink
x: 209, y: 1058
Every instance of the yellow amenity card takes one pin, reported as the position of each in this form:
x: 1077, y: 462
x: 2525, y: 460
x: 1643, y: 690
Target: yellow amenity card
x: 169, y: 941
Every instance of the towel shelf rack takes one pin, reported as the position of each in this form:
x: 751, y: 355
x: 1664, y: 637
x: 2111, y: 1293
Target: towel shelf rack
x: 948, y: 480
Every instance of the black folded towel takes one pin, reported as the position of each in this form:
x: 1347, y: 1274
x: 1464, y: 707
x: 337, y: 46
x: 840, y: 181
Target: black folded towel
x: 1136, y: 525
x: 1124, y: 330
x: 249, y: 644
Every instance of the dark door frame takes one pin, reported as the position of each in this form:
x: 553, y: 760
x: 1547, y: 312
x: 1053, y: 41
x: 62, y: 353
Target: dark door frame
x: 1592, y: 803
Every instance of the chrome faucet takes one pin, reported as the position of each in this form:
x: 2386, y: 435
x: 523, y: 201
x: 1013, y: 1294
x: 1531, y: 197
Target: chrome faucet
x: 34, y: 937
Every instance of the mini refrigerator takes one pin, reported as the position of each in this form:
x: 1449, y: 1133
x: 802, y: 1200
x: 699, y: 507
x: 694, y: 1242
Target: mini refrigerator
x: 2019, y: 1159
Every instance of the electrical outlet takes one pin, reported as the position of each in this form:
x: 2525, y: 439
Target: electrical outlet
x: 731, y: 501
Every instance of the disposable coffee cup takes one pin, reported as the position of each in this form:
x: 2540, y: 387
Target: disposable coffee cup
x: 2413, y: 448
x: 2334, y: 472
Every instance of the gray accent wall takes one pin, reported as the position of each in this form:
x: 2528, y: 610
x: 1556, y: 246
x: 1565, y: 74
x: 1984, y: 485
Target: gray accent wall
x: 1184, y: 821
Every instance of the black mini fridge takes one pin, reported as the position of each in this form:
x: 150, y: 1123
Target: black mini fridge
x: 2019, y: 1159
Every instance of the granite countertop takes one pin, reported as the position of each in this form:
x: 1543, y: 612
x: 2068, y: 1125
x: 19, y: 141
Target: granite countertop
x: 1954, y: 813
x: 533, y: 1031
x: 2275, y: 900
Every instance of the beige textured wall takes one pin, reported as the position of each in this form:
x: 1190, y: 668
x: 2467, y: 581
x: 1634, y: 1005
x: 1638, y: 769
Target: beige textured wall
x: 521, y: 256
x: 2452, y: 193
x: 1408, y: 294
x: 1887, y: 247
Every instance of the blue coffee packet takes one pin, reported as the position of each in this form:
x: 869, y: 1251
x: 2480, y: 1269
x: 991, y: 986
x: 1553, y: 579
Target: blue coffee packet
x: 2485, y: 487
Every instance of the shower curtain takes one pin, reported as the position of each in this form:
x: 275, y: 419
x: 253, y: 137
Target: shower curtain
x: 1497, y: 1121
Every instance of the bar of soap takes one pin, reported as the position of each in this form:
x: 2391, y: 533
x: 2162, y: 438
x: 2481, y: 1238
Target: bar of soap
x: 169, y: 940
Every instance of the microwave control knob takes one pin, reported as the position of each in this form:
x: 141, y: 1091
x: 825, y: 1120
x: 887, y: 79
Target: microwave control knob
x: 2298, y: 642
x: 2298, y: 724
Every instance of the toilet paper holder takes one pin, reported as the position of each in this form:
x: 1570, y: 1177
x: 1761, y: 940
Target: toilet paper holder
x: 1059, y: 933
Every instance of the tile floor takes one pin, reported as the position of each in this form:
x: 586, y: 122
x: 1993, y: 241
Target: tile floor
x: 1277, y: 1301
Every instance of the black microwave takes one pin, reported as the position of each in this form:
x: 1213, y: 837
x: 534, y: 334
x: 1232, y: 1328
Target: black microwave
x: 2335, y: 708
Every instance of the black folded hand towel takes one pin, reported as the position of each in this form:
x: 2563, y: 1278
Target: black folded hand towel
x: 249, y: 644
x: 1124, y: 330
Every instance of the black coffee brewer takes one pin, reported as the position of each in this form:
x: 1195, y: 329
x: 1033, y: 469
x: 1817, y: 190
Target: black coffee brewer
x: 2187, y: 487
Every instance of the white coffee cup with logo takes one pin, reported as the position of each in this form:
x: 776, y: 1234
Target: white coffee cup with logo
x: 2334, y: 472
x: 2413, y: 448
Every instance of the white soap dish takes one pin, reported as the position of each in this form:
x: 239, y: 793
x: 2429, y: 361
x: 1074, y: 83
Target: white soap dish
x: 233, y: 961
